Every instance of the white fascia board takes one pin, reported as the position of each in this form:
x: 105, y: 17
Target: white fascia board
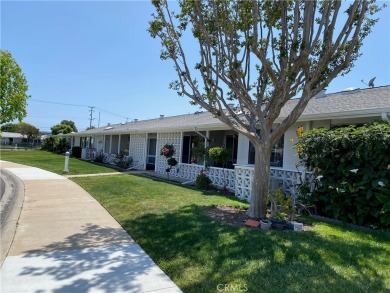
x: 211, y: 127
x: 345, y: 114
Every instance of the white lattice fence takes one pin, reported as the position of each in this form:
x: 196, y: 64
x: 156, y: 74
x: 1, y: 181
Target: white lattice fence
x: 288, y: 179
x: 220, y: 176
x: 173, y: 138
x: 189, y: 171
x: 244, y: 178
x: 138, y: 150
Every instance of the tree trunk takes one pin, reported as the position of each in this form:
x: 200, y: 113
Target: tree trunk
x: 260, y: 183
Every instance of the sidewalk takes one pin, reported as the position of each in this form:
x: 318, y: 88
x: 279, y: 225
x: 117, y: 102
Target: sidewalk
x: 66, y: 241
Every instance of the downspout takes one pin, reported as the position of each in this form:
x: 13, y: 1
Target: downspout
x: 201, y: 134
x: 385, y: 118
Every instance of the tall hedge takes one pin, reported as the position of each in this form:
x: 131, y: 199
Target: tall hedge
x: 352, y: 167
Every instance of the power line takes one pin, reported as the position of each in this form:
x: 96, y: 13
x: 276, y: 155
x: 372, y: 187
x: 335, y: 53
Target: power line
x: 102, y: 110
x: 57, y: 103
x: 76, y: 105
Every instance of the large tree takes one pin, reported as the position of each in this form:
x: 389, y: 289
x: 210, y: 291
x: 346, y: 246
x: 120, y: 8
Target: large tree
x: 259, y: 55
x: 13, y: 89
x: 70, y: 123
x: 28, y: 130
x: 61, y: 128
x: 9, y: 127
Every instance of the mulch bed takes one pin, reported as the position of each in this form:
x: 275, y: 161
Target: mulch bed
x: 227, y: 214
x: 235, y: 216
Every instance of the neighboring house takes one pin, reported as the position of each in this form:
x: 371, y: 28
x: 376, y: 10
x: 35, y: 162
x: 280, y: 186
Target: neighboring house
x: 11, y: 138
x: 142, y: 140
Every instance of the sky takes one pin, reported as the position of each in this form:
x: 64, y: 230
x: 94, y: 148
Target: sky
x: 82, y: 54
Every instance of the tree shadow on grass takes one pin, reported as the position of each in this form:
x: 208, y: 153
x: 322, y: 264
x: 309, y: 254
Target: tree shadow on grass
x: 200, y: 254
x: 99, y: 259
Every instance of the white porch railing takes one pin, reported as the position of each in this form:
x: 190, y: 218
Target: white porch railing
x: 286, y: 179
x: 217, y: 175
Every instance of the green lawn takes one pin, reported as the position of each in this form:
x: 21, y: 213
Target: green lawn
x: 203, y: 255
x: 52, y: 162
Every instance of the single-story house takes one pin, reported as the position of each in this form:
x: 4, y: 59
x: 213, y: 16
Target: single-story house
x: 143, y: 139
x: 11, y: 138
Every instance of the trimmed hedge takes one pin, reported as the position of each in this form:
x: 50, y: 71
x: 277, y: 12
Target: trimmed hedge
x: 352, y: 165
x: 76, y: 152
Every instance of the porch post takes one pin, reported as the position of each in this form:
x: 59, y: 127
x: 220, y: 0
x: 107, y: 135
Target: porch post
x: 181, y: 147
x: 119, y: 143
x: 110, y: 144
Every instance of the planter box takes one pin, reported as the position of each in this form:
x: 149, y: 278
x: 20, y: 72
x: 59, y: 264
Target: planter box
x: 277, y: 224
x: 265, y: 225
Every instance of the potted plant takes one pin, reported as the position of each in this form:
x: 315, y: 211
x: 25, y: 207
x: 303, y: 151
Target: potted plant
x: 279, y: 221
x: 265, y: 224
x: 168, y: 151
x: 281, y: 208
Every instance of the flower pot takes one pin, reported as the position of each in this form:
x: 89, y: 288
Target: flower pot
x: 278, y: 224
x: 265, y: 225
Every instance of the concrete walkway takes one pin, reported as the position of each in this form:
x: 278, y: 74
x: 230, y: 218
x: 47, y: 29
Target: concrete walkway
x: 66, y: 241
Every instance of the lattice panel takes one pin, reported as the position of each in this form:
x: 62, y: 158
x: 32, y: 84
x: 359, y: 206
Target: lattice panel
x: 138, y: 150
x: 189, y: 171
x: 288, y: 178
x: 243, y: 184
x: 218, y: 176
x: 173, y: 138
x: 109, y: 159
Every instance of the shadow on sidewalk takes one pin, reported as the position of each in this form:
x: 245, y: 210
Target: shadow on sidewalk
x: 78, y: 264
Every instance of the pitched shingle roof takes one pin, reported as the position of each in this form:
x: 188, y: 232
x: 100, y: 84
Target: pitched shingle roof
x: 346, y: 103
x: 11, y: 135
x: 201, y: 120
x: 363, y: 102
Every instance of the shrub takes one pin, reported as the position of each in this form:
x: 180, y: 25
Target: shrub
x: 203, y: 181
x: 124, y: 162
x: 99, y: 158
x: 76, y: 152
x: 55, y: 144
x: 219, y: 155
x: 352, y: 166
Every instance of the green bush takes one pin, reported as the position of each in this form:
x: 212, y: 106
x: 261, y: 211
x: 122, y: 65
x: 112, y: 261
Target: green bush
x: 76, y: 152
x: 219, y: 155
x: 203, y: 181
x: 99, y: 158
x: 352, y: 167
x: 55, y: 144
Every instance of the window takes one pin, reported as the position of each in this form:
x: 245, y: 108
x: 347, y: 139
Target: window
x: 152, y: 151
x: 276, y: 159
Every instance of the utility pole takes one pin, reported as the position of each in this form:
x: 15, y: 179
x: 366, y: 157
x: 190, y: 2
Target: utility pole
x: 90, y: 116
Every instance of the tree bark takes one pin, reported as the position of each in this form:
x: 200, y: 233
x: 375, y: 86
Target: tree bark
x: 260, y: 182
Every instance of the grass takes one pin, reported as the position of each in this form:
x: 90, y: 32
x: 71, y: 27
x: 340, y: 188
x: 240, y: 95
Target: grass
x: 200, y: 254
x: 53, y: 162
x: 203, y: 255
